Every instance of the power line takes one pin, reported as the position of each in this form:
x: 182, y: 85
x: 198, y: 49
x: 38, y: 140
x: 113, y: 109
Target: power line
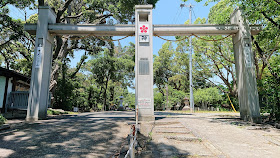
x: 178, y: 16
x: 19, y: 10
x: 175, y: 16
x: 194, y: 14
x: 15, y: 13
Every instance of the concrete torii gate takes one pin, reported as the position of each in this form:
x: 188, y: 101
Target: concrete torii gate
x: 143, y: 30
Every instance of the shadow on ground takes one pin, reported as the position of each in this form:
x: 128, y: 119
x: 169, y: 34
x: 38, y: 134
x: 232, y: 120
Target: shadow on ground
x: 236, y: 121
x: 66, y: 136
x: 147, y: 148
x: 99, y: 134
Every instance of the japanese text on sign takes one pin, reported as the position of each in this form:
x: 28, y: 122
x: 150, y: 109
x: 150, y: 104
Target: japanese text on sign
x: 144, y: 102
x: 38, y: 57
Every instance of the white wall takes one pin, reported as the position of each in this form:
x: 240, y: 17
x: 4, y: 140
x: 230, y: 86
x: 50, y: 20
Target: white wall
x: 10, y: 86
x: 2, y: 89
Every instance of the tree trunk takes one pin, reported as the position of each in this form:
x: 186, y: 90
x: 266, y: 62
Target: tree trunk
x: 105, y: 94
x: 89, y: 98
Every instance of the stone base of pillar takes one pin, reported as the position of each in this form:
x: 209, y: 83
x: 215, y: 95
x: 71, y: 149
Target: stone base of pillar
x: 254, y: 119
x: 31, y: 119
x: 146, y: 118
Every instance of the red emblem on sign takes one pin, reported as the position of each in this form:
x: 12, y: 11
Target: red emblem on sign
x: 143, y: 29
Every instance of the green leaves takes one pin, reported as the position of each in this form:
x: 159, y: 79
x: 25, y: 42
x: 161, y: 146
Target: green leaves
x: 121, y: 10
x: 113, y: 71
x: 2, y: 120
x: 220, y: 13
x: 207, y: 96
x: 17, y: 3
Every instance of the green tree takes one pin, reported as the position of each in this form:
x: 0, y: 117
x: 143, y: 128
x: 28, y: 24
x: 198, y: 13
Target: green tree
x: 15, y: 44
x: 162, y: 66
x: 113, y: 71
x: 69, y: 12
x: 265, y: 44
x: 158, y: 100
x: 206, y: 97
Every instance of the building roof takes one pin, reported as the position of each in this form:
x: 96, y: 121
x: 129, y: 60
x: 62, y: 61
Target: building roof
x: 11, y: 73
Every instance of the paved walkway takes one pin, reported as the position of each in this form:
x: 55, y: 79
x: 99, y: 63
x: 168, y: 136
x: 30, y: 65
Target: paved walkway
x: 210, y: 135
x: 101, y: 134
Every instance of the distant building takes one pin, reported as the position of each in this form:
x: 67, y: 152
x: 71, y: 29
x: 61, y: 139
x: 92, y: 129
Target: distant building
x: 11, y: 81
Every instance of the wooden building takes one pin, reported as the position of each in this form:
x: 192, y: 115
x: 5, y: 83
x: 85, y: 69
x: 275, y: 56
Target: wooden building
x: 12, y: 81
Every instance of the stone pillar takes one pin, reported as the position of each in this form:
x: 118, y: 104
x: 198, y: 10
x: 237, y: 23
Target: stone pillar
x: 245, y: 71
x: 144, y: 62
x: 41, y: 68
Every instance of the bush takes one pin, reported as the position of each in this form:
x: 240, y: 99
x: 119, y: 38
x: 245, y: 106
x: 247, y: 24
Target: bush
x: 2, y: 119
x: 207, y: 96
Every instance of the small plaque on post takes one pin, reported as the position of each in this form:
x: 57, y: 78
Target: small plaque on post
x: 248, y: 59
x: 144, y: 66
x: 144, y: 38
x: 38, y: 58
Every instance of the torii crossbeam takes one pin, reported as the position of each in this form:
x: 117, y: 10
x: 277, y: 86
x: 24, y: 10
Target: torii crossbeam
x: 143, y: 30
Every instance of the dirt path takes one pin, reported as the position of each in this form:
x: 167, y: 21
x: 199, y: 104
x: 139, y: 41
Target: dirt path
x: 84, y: 135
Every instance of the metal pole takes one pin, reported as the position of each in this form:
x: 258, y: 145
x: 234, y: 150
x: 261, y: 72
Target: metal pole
x: 166, y: 86
x: 131, y: 150
x: 132, y: 138
x: 190, y: 64
x: 191, y: 83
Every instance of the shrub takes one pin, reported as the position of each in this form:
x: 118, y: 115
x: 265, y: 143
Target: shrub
x: 2, y: 119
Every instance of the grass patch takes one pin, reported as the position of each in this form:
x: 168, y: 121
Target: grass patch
x: 56, y: 112
x: 53, y: 112
x: 72, y: 113
x: 203, y: 111
x: 2, y: 120
x: 150, y: 136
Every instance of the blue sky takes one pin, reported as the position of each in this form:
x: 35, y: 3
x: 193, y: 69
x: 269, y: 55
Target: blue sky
x: 165, y: 12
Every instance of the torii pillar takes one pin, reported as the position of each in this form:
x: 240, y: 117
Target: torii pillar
x: 144, y: 94
x: 41, y: 68
x: 245, y: 71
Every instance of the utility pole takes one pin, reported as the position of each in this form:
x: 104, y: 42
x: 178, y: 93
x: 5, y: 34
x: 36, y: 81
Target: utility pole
x: 190, y: 6
x: 166, y: 106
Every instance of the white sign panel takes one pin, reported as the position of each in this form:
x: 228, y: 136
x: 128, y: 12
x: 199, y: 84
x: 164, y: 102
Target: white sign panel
x: 144, y: 29
x: 144, y: 38
x: 248, y: 59
x: 38, y: 57
x: 144, y: 102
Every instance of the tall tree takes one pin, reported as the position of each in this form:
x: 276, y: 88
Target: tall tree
x: 265, y: 45
x: 15, y: 44
x: 112, y: 69
x: 72, y: 12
